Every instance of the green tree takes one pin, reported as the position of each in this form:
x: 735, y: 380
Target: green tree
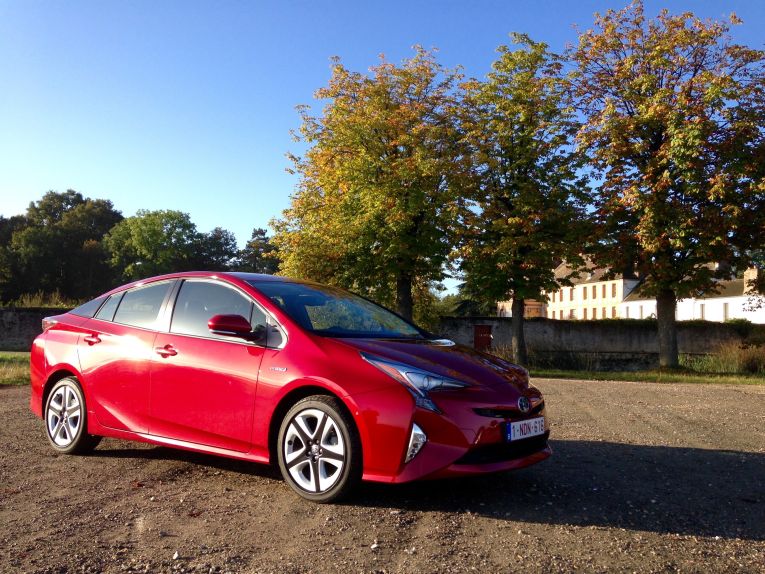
x: 674, y: 125
x: 58, y: 247
x: 376, y: 202
x: 260, y: 255
x: 153, y: 243
x: 216, y: 250
x: 9, y: 263
x: 529, y: 201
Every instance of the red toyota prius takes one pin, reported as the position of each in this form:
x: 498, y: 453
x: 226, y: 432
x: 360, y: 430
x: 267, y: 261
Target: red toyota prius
x: 326, y: 384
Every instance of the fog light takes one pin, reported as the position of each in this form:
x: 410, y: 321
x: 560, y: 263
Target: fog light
x: 416, y: 441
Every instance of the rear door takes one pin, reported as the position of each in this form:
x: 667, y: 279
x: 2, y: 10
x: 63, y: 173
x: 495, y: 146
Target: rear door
x: 116, y: 351
x: 203, y: 385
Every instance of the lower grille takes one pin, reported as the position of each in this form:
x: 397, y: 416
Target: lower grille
x: 509, y: 412
x: 504, y: 451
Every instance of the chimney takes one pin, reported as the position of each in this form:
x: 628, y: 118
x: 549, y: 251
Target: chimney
x: 752, y: 279
x: 723, y: 269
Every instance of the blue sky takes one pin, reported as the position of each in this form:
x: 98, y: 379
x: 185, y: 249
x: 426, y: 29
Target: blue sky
x: 189, y: 105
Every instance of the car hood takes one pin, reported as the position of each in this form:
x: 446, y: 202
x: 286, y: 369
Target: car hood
x: 447, y: 359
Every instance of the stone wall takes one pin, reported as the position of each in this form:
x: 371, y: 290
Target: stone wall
x: 596, y: 345
x: 19, y: 327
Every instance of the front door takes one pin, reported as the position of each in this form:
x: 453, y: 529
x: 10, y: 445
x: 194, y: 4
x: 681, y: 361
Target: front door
x: 203, y: 385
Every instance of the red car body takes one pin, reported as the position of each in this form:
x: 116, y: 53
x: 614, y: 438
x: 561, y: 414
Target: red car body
x: 228, y: 397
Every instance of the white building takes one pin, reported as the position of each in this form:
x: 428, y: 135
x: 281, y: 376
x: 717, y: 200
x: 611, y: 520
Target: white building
x: 733, y: 301
x: 590, y: 297
x: 593, y: 297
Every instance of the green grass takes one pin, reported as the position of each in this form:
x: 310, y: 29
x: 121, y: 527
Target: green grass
x: 650, y: 376
x: 14, y: 368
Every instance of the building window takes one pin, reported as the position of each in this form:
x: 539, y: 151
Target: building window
x: 594, y: 313
x: 594, y: 291
x: 626, y: 312
x: 613, y: 312
x: 572, y: 314
x: 603, y: 313
x: 553, y: 298
x: 585, y: 314
x: 701, y: 311
x: 603, y: 294
x: 641, y: 311
x: 725, y: 311
x: 613, y: 290
x: 584, y: 292
x: 571, y: 294
x: 553, y: 315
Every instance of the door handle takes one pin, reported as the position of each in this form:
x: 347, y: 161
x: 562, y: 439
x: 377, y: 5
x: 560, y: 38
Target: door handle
x: 166, y: 351
x: 91, y: 339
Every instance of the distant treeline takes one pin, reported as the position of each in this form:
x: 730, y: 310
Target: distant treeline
x: 67, y: 247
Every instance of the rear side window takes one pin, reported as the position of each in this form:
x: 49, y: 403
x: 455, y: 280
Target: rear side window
x: 140, y: 306
x: 198, y: 301
x: 106, y: 312
x: 88, y: 309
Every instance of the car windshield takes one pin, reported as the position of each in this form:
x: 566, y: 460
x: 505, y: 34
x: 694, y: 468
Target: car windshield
x: 335, y: 313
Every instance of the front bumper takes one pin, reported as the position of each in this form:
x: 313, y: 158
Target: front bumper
x: 468, y: 438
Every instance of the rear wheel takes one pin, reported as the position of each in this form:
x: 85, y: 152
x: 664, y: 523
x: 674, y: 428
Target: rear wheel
x: 66, y: 419
x: 319, y: 451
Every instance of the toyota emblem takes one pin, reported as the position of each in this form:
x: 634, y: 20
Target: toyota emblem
x: 523, y: 405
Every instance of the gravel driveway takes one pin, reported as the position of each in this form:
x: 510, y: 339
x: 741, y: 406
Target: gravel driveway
x: 644, y: 478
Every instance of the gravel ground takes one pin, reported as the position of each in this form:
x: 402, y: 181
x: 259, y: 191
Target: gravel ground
x: 644, y: 478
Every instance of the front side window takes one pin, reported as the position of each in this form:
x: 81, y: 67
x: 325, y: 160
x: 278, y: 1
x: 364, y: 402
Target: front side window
x: 140, y: 306
x: 199, y: 301
x: 335, y: 313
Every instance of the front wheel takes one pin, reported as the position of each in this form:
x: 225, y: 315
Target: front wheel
x: 66, y: 419
x: 319, y: 451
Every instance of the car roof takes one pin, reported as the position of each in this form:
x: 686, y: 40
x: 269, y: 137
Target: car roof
x: 260, y: 277
x: 241, y: 276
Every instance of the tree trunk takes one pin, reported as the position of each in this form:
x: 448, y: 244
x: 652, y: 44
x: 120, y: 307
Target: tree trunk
x: 518, y: 340
x: 666, y: 302
x: 404, y: 302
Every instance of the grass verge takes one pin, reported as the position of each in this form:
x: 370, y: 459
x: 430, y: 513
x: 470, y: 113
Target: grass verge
x: 14, y: 368
x: 650, y: 377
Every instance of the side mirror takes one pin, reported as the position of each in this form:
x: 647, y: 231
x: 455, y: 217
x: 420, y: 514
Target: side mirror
x: 233, y: 325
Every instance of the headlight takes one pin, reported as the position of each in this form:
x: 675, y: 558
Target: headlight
x: 417, y: 381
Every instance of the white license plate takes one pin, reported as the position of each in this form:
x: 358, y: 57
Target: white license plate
x: 525, y: 429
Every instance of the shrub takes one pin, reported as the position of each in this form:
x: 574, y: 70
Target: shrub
x: 44, y: 300
x: 730, y: 358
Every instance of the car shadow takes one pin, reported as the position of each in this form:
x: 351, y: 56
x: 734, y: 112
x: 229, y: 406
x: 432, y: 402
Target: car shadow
x: 661, y: 489
x: 150, y: 452
x: 586, y: 483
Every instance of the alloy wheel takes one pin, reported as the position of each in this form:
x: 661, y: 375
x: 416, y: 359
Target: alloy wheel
x: 64, y: 416
x: 314, y: 450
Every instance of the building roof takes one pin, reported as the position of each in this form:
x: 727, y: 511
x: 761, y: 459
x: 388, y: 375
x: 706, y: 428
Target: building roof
x: 592, y: 274
x: 731, y: 288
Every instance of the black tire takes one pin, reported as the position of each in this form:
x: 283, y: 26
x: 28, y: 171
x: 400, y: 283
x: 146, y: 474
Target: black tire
x: 318, y: 449
x: 66, y: 419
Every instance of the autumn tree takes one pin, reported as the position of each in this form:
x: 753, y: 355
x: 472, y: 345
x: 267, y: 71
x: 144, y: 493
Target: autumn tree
x: 528, y: 199
x: 673, y: 114
x: 259, y: 255
x: 376, y: 200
